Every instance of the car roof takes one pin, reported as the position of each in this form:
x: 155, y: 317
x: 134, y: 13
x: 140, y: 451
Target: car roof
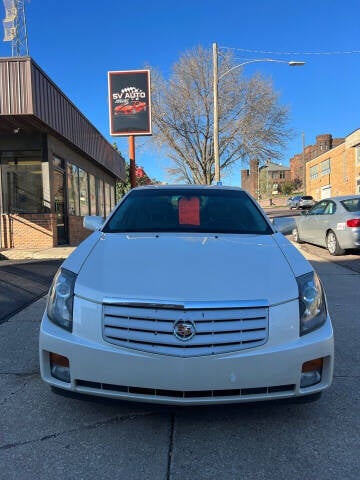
x: 340, y: 198
x: 188, y: 187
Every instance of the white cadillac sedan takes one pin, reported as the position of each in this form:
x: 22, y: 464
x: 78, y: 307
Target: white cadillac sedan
x: 187, y: 295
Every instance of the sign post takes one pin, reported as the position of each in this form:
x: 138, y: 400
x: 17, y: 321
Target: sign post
x: 132, y: 161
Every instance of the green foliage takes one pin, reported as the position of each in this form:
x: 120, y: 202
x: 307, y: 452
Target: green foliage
x: 287, y: 188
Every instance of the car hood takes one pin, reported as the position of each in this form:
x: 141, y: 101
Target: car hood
x: 169, y: 267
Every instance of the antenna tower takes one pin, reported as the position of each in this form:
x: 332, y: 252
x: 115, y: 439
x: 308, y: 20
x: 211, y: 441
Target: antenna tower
x: 15, y: 27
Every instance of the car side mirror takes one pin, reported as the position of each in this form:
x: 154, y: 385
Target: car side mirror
x: 93, y: 222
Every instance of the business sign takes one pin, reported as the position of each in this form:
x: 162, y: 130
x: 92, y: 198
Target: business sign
x: 129, y: 102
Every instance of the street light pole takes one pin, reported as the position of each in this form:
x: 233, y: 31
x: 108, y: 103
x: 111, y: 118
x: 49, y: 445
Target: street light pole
x: 216, y: 98
x: 216, y: 114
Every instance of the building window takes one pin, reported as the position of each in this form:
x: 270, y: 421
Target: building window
x: 282, y: 175
x: 357, y: 156
x: 107, y: 199
x: 73, y: 189
x: 112, y: 197
x: 314, y: 172
x: 325, y: 167
x: 24, y: 182
x: 101, y: 198
x: 92, y: 190
x: 84, y: 192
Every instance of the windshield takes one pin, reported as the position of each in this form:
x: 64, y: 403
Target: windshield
x: 188, y: 210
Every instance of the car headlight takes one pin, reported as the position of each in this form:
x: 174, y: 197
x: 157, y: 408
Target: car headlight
x: 312, y: 303
x: 61, y: 297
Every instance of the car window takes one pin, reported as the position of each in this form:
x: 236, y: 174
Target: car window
x: 351, y: 204
x: 188, y: 210
x: 330, y: 208
x: 318, y: 208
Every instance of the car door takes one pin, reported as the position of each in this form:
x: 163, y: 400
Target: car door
x: 324, y: 222
x: 309, y: 224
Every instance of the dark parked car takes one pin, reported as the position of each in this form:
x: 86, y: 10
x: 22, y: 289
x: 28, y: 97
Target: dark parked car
x: 301, y: 201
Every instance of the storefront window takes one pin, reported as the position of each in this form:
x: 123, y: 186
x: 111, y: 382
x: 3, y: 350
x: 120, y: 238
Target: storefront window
x: 100, y: 195
x: 107, y: 199
x: 93, y: 208
x: 112, y: 197
x: 24, y: 182
x: 73, y: 189
x: 84, y: 192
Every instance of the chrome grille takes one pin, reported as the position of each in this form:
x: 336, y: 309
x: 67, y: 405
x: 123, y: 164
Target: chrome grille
x: 217, y: 330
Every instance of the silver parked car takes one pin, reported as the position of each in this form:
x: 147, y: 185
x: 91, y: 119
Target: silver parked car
x: 333, y: 223
x: 301, y: 201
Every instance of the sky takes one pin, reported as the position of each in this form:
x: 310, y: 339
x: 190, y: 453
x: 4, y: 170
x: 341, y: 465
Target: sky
x: 77, y: 42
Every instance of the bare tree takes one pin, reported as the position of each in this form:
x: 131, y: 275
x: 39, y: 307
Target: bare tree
x: 251, y: 123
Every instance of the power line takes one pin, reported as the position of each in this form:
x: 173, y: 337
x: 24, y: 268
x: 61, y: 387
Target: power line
x: 267, y: 52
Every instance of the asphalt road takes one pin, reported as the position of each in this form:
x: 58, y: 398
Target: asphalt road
x: 23, y: 283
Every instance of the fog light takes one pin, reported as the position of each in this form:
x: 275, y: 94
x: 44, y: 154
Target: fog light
x: 60, y: 367
x: 311, y: 373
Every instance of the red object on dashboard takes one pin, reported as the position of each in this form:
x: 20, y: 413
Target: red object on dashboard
x: 189, y: 211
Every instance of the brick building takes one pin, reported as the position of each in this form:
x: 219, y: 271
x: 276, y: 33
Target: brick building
x: 324, y: 142
x: 264, y: 180
x: 55, y: 167
x: 336, y: 171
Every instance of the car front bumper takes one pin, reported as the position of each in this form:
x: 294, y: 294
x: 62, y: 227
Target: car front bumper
x: 270, y: 371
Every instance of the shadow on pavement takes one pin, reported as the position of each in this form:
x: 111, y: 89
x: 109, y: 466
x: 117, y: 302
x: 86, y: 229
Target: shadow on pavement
x: 23, y: 283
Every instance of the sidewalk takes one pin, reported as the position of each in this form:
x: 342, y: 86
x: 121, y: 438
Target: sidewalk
x: 12, y: 254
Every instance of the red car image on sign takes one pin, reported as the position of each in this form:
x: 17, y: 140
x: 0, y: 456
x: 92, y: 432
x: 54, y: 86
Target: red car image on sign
x: 130, y: 108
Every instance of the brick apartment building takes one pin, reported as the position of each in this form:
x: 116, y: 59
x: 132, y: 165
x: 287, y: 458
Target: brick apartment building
x: 55, y: 167
x: 336, y: 171
x: 324, y: 142
x: 264, y: 181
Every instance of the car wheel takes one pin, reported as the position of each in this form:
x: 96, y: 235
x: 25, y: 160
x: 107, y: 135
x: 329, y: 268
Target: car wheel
x: 332, y: 244
x: 296, y: 236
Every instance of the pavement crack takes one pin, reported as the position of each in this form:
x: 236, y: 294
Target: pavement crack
x: 171, y: 444
x: 109, y: 421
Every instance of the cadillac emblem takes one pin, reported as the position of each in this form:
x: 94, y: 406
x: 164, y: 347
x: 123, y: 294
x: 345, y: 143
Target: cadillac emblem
x: 184, y: 330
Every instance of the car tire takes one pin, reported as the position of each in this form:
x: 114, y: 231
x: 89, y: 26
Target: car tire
x: 296, y: 236
x: 332, y: 244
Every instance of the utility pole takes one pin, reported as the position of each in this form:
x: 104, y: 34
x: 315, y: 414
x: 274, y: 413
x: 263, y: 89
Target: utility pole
x: 216, y: 114
x: 303, y: 161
